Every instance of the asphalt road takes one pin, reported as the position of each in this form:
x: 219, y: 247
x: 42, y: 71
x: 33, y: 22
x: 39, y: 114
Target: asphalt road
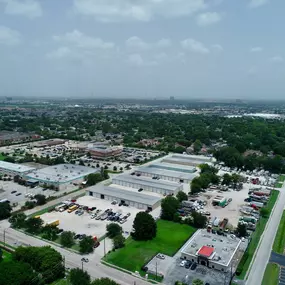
x: 264, y: 250
x: 277, y: 258
x: 72, y: 260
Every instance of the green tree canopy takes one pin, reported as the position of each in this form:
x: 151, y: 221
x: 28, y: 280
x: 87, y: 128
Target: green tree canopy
x: 5, y: 211
x: 86, y: 245
x: 18, y: 220
x: 118, y: 241
x: 79, y: 277
x: 181, y: 196
x: 169, y: 207
x: 67, y: 239
x: 113, y: 230
x: 144, y: 227
x: 104, y: 281
x: 34, y: 225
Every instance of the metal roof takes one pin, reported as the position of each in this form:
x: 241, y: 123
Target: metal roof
x: 174, y: 167
x: 162, y: 184
x: 192, y: 157
x: 157, y: 171
x: 127, y: 195
x: 20, y: 168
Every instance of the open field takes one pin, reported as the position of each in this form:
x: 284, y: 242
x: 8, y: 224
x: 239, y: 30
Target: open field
x: 279, y: 242
x: 271, y: 274
x: 255, y: 238
x: 170, y: 237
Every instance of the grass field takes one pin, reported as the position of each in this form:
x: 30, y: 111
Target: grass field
x: 60, y: 282
x: 7, y: 256
x: 170, y: 237
x: 279, y: 242
x: 271, y: 275
x: 248, y: 255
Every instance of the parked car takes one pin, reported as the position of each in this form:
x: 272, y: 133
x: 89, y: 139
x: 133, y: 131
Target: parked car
x: 188, y: 264
x: 13, y: 192
x: 93, y: 216
x: 77, y: 236
x: 140, y: 190
x: 114, y: 202
x: 84, y: 259
x: 194, y: 265
x: 18, y: 194
x: 182, y: 263
x: 160, y: 256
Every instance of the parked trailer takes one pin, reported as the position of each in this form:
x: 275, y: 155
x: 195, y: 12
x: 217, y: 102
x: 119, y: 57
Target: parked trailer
x: 224, y: 223
x: 53, y: 223
x: 262, y: 193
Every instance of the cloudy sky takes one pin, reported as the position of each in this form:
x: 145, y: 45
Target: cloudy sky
x: 143, y: 48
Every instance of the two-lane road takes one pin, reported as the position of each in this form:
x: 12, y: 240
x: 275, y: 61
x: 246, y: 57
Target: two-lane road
x: 264, y: 250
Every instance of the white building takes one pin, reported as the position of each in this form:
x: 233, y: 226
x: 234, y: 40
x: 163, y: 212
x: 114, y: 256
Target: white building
x: 14, y: 168
x: 214, y: 251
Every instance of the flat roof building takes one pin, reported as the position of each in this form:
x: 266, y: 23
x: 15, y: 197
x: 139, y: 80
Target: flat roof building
x: 174, y: 167
x: 166, y: 174
x: 127, y: 196
x: 190, y: 160
x: 211, y: 250
x: 61, y: 174
x: 147, y: 184
x: 102, y: 151
x: 14, y: 168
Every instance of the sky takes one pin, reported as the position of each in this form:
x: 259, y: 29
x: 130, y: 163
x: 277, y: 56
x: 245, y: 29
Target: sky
x: 189, y: 49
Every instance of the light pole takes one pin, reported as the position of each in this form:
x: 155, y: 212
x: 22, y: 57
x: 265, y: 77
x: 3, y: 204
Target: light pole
x: 4, y: 237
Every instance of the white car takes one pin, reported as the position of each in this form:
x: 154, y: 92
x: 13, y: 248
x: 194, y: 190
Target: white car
x: 182, y: 263
x: 93, y: 216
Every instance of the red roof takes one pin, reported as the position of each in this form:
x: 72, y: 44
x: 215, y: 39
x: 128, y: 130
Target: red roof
x: 206, y: 251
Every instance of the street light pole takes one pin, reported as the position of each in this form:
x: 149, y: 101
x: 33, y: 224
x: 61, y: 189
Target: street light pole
x: 82, y: 265
x: 4, y: 236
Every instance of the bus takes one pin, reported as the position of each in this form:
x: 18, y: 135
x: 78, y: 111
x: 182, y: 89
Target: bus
x: 72, y: 208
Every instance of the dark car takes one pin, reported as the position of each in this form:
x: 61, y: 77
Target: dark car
x: 188, y: 264
x: 77, y: 236
x: 96, y: 244
x: 13, y: 192
x: 194, y: 265
x: 207, y: 283
x: 140, y: 190
x: 18, y: 194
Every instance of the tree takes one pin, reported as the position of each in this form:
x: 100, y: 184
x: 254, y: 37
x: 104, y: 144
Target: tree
x: 41, y: 199
x: 9, y: 159
x: 104, y: 281
x: 86, y: 245
x: 50, y: 232
x: 78, y: 276
x: 115, y: 168
x: 17, y: 220
x: 241, y: 230
x: 34, y: 225
x: 181, y: 196
x: 113, y: 230
x: 118, y: 241
x: 195, y: 186
x: 29, y: 204
x: 67, y: 239
x: 1, y: 254
x: 264, y: 212
x: 17, y: 273
x: 144, y: 227
x: 197, y: 282
x: 94, y: 178
x: 81, y: 162
x: 199, y: 220
x: 44, y: 260
x: 97, y: 165
x: 227, y: 179
x: 169, y: 207
x: 5, y: 210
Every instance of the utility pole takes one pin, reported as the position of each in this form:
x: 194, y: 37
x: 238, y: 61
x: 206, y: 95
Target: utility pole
x: 4, y: 236
x: 104, y: 247
x: 82, y: 264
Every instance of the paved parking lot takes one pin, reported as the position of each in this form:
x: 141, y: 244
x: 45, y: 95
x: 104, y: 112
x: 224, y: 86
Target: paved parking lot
x: 282, y: 276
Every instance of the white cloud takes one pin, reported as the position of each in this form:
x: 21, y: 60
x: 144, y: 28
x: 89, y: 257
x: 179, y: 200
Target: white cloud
x: 207, y: 19
x: 257, y: 3
x: 139, y: 10
x: 194, y: 46
x: 78, y: 39
x: 256, y: 49
x: 217, y: 48
x: 61, y: 52
x: 276, y: 59
x: 137, y: 44
x: 28, y: 8
x: 137, y: 60
x: 9, y: 37
x: 252, y: 70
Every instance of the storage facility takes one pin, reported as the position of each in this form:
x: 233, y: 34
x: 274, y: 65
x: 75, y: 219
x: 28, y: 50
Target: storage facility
x: 159, y: 186
x: 61, y: 175
x: 190, y: 160
x: 165, y: 174
x: 211, y: 251
x: 174, y: 167
x: 14, y: 168
x: 131, y: 197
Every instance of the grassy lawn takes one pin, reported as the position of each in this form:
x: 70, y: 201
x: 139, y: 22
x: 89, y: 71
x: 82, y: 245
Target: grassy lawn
x: 271, y: 274
x: 278, y: 185
x: 2, y: 157
x: 281, y: 178
x: 170, y: 237
x: 248, y: 255
x: 7, y: 256
x: 279, y: 242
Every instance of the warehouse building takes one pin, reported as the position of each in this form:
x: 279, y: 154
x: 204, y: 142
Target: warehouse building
x: 188, y: 160
x: 14, y: 169
x: 130, y: 197
x: 61, y: 175
x: 165, y: 174
x: 216, y: 252
x: 174, y: 167
x: 153, y: 185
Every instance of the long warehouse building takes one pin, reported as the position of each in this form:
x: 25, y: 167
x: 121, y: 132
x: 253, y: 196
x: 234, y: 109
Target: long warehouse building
x: 131, y: 197
x: 147, y: 184
x: 188, y: 160
x: 166, y: 174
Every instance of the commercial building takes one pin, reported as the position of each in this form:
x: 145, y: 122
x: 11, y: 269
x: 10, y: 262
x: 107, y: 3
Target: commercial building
x: 175, y: 167
x: 104, y: 152
x: 14, y: 168
x: 127, y: 196
x: 47, y: 143
x: 210, y: 250
x: 190, y: 160
x: 61, y: 175
x: 153, y: 185
x: 7, y: 137
x: 165, y: 174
